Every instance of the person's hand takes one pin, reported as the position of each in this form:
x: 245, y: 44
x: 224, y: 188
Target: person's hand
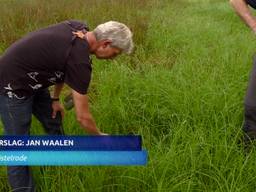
x: 252, y: 25
x: 57, y: 107
x: 79, y: 34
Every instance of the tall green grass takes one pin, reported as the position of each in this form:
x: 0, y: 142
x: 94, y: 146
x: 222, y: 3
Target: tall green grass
x: 182, y: 90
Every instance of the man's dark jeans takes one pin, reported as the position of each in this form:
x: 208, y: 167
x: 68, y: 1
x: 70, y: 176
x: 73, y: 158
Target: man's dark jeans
x: 16, y: 116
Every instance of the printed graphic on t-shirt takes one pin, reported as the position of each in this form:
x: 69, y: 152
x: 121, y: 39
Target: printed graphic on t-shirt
x: 35, y: 87
x: 8, y: 87
x: 33, y: 75
x: 10, y: 94
x: 52, y: 80
x: 59, y: 74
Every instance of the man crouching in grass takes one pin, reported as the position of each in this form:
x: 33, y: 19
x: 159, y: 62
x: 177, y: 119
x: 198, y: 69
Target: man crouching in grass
x: 54, y: 55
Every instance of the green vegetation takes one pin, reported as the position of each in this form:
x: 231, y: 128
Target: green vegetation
x: 182, y: 90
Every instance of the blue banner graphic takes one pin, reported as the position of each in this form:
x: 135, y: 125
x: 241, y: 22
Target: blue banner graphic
x: 73, y: 157
x: 72, y: 143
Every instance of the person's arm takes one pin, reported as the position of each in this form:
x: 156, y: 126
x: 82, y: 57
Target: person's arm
x: 242, y: 9
x: 57, y: 89
x: 56, y: 106
x: 83, y: 114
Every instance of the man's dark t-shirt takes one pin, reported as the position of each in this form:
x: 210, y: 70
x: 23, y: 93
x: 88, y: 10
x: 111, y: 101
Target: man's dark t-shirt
x: 252, y: 3
x: 45, y: 57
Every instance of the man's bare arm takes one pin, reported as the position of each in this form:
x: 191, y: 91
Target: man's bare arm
x: 244, y: 12
x: 57, y: 89
x: 56, y: 106
x: 83, y: 114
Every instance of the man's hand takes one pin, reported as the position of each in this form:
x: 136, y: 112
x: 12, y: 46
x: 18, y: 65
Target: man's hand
x: 56, y: 106
x: 254, y: 30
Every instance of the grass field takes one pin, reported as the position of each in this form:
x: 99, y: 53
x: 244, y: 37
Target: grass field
x: 182, y: 90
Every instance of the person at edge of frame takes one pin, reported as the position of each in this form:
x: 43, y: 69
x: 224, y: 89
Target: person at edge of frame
x: 54, y: 55
x: 242, y: 9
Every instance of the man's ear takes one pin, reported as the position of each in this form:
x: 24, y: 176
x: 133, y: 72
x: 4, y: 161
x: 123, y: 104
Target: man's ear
x: 106, y: 42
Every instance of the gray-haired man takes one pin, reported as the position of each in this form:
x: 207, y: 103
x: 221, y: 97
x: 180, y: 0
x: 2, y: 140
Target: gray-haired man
x: 242, y: 9
x: 54, y: 55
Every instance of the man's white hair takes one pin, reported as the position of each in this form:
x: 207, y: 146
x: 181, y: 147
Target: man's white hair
x: 118, y: 33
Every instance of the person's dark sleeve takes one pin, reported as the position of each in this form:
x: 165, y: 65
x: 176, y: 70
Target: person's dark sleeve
x: 252, y: 3
x: 78, y: 69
